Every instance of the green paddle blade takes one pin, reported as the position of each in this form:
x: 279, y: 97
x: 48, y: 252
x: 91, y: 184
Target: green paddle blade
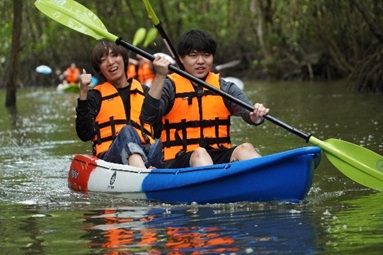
x: 151, y: 14
x: 139, y: 36
x: 76, y: 17
x: 357, y: 163
x: 151, y: 36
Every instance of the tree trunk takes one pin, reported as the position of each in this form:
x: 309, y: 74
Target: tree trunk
x: 263, y: 13
x: 11, y: 70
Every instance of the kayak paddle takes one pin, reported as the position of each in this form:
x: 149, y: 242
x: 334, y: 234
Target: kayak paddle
x: 152, y: 15
x: 227, y: 65
x: 157, y: 24
x: 357, y: 163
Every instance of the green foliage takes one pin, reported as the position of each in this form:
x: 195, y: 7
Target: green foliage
x: 273, y: 38
x: 5, y: 32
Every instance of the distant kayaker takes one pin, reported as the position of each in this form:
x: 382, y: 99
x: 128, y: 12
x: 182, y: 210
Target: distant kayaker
x: 131, y: 72
x: 196, y: 121
x: 71, y: 75
x: 108, y: 115
x: 145, y: 72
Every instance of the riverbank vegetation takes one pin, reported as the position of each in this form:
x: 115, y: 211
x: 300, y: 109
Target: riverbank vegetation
x: 273, y: 39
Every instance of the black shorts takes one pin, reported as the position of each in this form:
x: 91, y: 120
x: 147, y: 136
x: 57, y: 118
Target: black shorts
x: 218, y: 156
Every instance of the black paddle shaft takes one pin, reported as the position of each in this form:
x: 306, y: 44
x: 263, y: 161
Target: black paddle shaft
x: 169, y: 45
x: 190, y: 77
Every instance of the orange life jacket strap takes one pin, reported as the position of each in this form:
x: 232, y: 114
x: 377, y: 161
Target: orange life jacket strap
x: 112, y: 123
x: 202, y: 141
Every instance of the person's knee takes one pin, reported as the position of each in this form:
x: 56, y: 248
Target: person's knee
x: 127, y: 135
x: 200, y: 157
x: 246, y: 147
x: 244, y: 151
x: 128, y: 130
x: 200, y: 152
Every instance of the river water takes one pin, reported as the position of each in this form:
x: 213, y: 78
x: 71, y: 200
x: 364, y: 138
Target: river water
x: 39, y: 214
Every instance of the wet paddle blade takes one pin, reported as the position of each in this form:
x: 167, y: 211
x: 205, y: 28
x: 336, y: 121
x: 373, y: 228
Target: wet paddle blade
x: 139, y: 36
x: 151, y: 36
x: 151, y: 14
x: 75, y: 16
x: 357, y: 163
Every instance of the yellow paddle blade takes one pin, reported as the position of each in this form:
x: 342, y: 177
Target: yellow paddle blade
x: 151, y: 36
x: 75, y: 16
x: 139, y: 36
x: 356, y: 162
x: 151, y: 14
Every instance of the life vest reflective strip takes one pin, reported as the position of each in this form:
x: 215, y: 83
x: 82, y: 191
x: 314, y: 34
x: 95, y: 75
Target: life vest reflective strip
x: 145, y: 72
x: 197, y: 119
x: 72, y: 75
x: 112, y: 116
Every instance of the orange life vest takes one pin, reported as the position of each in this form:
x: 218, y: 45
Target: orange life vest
x: 72, y: 76
x: 196, y: 119
x: 112, y: 116
x: 132, y: 72
x: 145, y: 72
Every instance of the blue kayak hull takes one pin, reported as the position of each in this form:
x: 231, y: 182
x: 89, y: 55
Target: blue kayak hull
x: 285, y: 176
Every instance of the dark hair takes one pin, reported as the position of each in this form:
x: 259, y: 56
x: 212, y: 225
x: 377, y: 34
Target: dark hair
x: 196, y: 40
x: 101, y: 49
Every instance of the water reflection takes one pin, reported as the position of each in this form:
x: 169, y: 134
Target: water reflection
x: 13, y: 116
x: 201, y: 230
x: 355, y: 221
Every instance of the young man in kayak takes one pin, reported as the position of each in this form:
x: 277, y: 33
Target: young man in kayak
x: 196, y: 122
x: 108, y: 115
